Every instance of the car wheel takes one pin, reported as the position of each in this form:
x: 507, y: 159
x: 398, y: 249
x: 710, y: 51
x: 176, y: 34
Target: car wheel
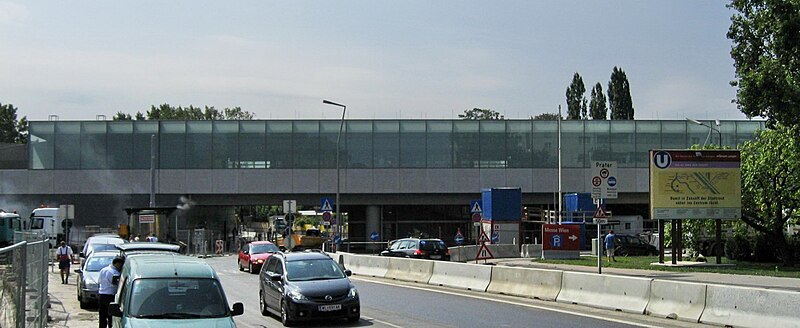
x: 262, y: 304
x: 84, y: 305
x: 285, y: 315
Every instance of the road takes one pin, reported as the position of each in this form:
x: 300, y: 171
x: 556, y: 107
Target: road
x: 387, y: 303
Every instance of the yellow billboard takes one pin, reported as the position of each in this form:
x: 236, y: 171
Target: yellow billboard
x: 695, y: 184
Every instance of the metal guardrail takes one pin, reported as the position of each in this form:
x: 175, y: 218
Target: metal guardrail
x: 23, y: 282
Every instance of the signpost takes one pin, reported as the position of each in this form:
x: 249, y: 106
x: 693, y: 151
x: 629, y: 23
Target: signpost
x: 599, y: 219
x: 561, y: 241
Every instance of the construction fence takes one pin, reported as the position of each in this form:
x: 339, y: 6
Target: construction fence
x: 23, y: 282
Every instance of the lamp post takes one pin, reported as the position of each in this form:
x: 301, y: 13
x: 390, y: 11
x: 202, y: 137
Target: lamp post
x: 338, y: 139
x: 711, y: 128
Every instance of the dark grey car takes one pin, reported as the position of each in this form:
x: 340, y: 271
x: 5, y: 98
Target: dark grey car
x: 89, y: 274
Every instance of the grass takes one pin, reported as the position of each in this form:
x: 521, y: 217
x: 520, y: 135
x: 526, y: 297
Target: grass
x: 643, y: 263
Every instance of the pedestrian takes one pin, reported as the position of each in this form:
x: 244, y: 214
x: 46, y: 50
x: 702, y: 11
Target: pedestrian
x: 64, y: 257
x: 137, y: 238
x: 610, y: 241
x: 108, y: 283
x: 152, y: 238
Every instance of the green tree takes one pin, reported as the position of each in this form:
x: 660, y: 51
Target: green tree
x: 480, y: 114
x: 546, y: 117
x: 120, y: 116
x: 771, y: 185
x: 766, y: 55
x: 619, y: 96
x: 168, y: 112
x: 12, y: 130
x: 597, y: 106
x: 576, y: 100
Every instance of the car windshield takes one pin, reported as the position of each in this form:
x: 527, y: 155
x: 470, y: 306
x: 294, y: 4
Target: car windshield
x: 101, y: 247
x: 96, y: 263
x: 317, y: 269
x: 429, y: 245
x: 263, y: 248
x: 181, y: 298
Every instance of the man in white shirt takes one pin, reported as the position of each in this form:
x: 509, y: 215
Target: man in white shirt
x: 64, y: 258
x: 109, y: 281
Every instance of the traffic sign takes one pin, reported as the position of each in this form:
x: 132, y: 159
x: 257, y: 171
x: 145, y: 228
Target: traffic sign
x: 596, y: 181
x: 495, y: 237
x: 484, y: 253
x: 459, y: 238
x: 475, y: 206
x: 599, y: 213
x: 325, y: 205
x: 337, y: 240
x: 476, y: 217
x: 604, y: 180
x: 374, y: 236
x: 290, y: 206
x: 326, y: 216
x: 612, y: 181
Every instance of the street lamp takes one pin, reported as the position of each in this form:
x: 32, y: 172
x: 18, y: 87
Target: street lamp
x: 711, y: 128
x: 338, y: 139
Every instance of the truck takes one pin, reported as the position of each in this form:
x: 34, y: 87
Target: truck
x: 47, y: 221
x: 9, y: 224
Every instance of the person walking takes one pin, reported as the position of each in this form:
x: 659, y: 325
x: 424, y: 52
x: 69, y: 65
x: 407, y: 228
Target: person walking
x: 64, y: 257
x: 108, y: 283
x: 610, y: 242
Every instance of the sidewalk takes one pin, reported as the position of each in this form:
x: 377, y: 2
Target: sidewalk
x: 64, y: 309
x: 778, y: 283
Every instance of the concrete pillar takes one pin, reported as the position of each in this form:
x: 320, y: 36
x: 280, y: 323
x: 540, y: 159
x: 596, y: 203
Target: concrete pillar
x: 373, y: 225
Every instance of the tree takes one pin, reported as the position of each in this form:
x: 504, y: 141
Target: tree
x: 11, y: 129
x: 167, y: 112
x: 480, y: 114
x: 576, y: 100
x: 120, y: 116
x: 766, y: 55
x: 619, y: 96
x: 546, y: 117
x: 771, y: 186
x: 597, y: 106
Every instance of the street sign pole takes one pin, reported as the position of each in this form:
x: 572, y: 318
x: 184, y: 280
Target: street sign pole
x: 599, y: 251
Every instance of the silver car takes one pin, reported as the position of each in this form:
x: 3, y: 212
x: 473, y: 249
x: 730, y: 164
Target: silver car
x: 89, y: 275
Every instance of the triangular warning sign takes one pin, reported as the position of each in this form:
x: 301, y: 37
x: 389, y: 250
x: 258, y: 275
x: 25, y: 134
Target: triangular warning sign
x: 476, y: 208
x: 484, y: 253
x: 326, y: 206
x: 599, y: 213
x: 484, y: 238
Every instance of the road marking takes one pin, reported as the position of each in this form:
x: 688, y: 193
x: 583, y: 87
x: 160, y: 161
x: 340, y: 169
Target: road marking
x: 382, y: 322
x: 587, y: 315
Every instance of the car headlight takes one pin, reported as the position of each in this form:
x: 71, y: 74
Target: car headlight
x: 260, y: 261
x: 295, y: 295
x: 353, y: 293
x: 91, y: 285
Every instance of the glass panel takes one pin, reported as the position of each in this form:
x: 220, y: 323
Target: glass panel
x: 572, y: 144
x: 142, y: 132
x: 673, y: 135
x: 172, y: 145
x: 358, y: 145
x: 412, y: 144
x: 622, y: 142
x: 306, y: 144
x: 440, y: 144
x: 42, y: 136
x: 648, y: 136
x: 226, y: 144
x: 328, y: 132
x: 728, y: 130
x: 93, y: 145
x: 545, y: 144
x: 519, y: 144
x: 279, y: 145
x: 466, y: 144
x: 596, y: 142
x: 493, y: 146
x: 199, y: 145
x: 745, y: 131
x: 120, y: 145
x: 252, y: 144
x: 701, y: 134
x: 386, y: 140
x: 68, y: 145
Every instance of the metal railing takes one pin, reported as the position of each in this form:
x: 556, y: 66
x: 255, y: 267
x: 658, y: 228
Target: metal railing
x: 23, y: 282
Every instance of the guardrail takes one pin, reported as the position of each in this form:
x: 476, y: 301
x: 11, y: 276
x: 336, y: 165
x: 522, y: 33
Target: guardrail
x: 695, y: 302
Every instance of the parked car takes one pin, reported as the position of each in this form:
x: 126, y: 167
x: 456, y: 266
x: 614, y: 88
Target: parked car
x: 89, y: 275
x: 631, y: 245
x: 171, y: 290
x: 301, y: 286
x: 143, y: 247
x: 433, y: 249
x: 100, y: 242
x: 253, y: 255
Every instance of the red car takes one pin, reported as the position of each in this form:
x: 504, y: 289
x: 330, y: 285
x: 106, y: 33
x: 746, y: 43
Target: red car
x: 253, y: 255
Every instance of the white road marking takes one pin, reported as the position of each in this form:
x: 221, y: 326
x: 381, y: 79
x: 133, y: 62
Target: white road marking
x: 382, y: 322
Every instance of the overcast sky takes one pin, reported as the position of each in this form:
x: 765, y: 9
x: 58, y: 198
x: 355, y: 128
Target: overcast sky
x: 383, y: 59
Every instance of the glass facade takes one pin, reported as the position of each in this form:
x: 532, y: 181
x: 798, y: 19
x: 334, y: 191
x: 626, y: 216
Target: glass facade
x: 364, y: 144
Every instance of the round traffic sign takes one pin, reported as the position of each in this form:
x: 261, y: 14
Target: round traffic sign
x: 596, y: 181
x: 612, y: 181
x: 374, y: 236
x: 459, y: 238
x: 326, y: 216
x: 337, y: 240
x: 476, y: 217
x: 604, y: 173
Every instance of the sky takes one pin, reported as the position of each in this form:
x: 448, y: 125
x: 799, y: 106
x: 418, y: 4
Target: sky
x: 382, y: 59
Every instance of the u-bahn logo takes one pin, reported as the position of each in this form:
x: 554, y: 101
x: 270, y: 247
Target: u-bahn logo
x: 662, y: 159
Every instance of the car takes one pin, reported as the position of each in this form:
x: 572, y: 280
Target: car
x: 171, y: 290
x: 433, y: 249
x: 100, y: 242
x: 143, y: 247
x: 304, y: 286
x: 252, y: 255
x: 631, y: 245
x: 89, y: 275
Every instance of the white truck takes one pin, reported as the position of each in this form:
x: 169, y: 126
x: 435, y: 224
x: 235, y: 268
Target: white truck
x: 49, y: 222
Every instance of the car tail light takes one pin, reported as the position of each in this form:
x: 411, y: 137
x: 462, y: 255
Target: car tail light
x: 419, y: 252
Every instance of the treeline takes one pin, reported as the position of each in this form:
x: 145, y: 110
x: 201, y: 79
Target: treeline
x: 619, y: 103
x: 168, y: 112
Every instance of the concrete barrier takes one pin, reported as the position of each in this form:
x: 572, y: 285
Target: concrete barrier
x: 751, y: 307
x: 676, y: 300
x: 503, y: 251
x: 410, y: 270
x: 468, y: 252
x: 526, y: 282
x: 367, y: 265
x: 461, y: 275
x: 627, y: 294
x: 531, y: 250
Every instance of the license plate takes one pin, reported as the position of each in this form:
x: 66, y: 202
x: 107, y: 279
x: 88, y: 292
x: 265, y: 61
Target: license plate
x: 332, y: 307
x: 436, y: 257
